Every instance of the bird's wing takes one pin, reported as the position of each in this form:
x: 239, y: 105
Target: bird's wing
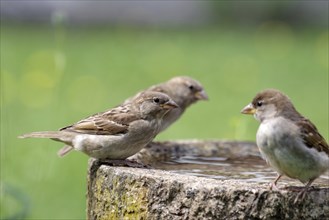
x: 112, y: 122
x: 311, y: 137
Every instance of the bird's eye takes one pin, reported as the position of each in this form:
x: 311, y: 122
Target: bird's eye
x: 156, y: 100
x: 259, y: 103
x: 191, y: 87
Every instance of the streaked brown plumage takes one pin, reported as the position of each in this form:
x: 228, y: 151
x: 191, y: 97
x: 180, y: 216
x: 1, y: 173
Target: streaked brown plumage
x: 184, y: 90
x: 117, y: 133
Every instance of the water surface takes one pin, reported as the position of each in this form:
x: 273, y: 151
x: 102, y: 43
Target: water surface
x: 250, y: 169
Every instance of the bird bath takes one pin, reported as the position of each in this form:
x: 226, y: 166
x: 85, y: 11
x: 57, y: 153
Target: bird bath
x: 196, y: 179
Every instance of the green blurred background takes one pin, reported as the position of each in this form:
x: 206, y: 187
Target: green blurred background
x: 55, y: 72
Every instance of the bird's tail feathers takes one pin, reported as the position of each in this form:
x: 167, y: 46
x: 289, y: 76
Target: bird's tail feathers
x: 41, y: 134
x: 61, y: 136
x: 64, y: 150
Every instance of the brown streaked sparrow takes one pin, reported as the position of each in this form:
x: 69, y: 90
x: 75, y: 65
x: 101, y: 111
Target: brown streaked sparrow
x: 289, y: 142
x: 117, y: 133
x: 184, y: 91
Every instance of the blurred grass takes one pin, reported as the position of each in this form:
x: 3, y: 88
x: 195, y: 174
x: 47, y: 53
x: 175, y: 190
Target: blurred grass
x: 52, y: 78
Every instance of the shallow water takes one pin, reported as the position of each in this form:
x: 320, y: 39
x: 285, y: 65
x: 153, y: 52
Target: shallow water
x: 251, y: 169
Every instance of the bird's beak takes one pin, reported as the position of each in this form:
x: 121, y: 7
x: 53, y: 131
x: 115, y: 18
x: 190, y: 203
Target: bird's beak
x: 249, y: 110
x: 201, y: 95
x: 169, y: 105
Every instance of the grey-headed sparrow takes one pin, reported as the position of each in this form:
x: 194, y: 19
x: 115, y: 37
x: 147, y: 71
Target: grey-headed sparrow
x: 184, y: 91
x: 117, y: 133
x: 289, y: 142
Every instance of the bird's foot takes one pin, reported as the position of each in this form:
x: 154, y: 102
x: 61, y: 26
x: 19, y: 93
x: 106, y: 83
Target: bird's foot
x: 301, y: 195
x: 302, y: 191
x: 273, y: 187
x: 273, y: 184
x: 124, y: 163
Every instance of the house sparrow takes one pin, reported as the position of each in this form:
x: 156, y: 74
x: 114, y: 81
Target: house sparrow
x: 184, y: 91
x: 117, y: 133
x: 289, y: 142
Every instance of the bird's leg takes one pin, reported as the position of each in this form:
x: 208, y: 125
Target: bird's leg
x: 301, y: 194
x: 125, y: 163
x: 273, y: 184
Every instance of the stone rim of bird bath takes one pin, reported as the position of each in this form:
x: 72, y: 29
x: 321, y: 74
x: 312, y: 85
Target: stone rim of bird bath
x: 135, y: 193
